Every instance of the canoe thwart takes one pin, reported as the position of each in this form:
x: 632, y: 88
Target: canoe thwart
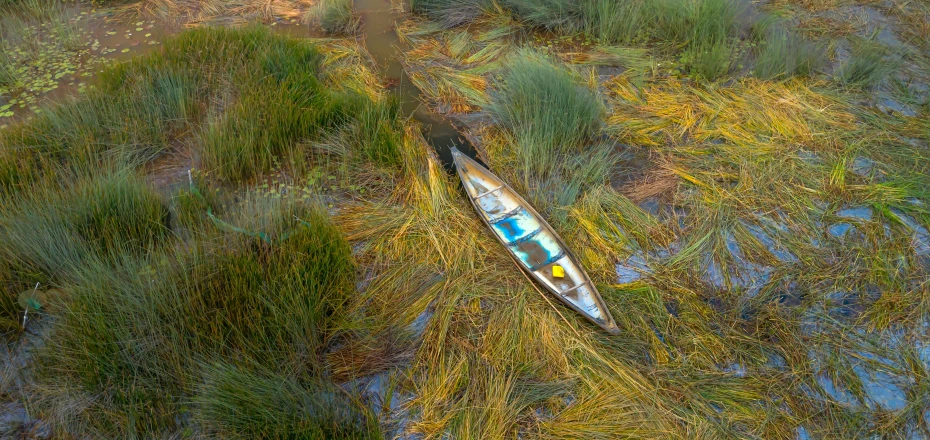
x: 488, y: 192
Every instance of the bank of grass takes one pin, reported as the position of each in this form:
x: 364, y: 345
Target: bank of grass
x: 216, y: 12
x: 265, y: 98
x: 262, y: 296
x: 702, y: 32
x: 169, y: 304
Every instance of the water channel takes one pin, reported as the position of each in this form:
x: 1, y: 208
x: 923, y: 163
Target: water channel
x: 378, y: 19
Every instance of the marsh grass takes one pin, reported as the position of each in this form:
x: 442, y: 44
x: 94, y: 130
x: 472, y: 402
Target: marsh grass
x: 215, y: 12
x: 158, y: 322
x: 35, y: 9
x: 51, y: 231
x: 783, y: 54
x: 749, y: 317
x: 743, y: 303
x: 239, y: 403
x: 336, y: 16
x: 702, y: 32
x: 165, y: 288
x: 260, y: 109
x: 867, y: 67
x: 8, y: 77
x: 549, y: 114
x: 120, y: 214
x: 450, y: 13
x: 624, y: 23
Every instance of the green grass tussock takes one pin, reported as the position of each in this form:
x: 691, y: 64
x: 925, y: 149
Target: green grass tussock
x: 618, y: 22
x: 49, y: 235
x: 238, y: 403
x: 784, y: 54
x: 336, y: 16
x: 548, y: 112
x: 263, y: 298
x: 120, y: 214
x: 550, y: 124
x: 51, y: 232
x: 867, y: 67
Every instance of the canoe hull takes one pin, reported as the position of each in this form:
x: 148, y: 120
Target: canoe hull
x: 535, y: 246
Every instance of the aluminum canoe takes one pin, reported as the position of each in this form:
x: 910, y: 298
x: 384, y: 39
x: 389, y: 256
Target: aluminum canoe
x: 532, y: 242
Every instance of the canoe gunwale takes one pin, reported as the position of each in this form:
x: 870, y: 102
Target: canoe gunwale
x: 609, y: 325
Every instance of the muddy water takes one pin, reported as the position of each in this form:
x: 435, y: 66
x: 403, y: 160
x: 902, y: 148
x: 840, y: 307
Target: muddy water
x: 378, y: 19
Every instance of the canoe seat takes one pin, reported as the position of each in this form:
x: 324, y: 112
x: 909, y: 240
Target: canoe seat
x: 489, y: 192
x: 567, y: 291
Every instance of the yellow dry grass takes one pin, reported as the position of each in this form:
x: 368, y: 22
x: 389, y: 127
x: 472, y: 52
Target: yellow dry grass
x: 753, y: 114
x: 731, y: 331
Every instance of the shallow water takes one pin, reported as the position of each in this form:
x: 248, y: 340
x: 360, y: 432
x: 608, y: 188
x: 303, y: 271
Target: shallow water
x: 382, y: 42
x: 54, y: 73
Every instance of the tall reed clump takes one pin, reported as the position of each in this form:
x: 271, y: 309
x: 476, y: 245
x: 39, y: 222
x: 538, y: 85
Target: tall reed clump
x: 618, y: 22
x: 336, y: 16
x: 148, y: 331
x: 705, y: 29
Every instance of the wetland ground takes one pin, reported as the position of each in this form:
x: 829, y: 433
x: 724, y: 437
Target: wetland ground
x: 234, y: 219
